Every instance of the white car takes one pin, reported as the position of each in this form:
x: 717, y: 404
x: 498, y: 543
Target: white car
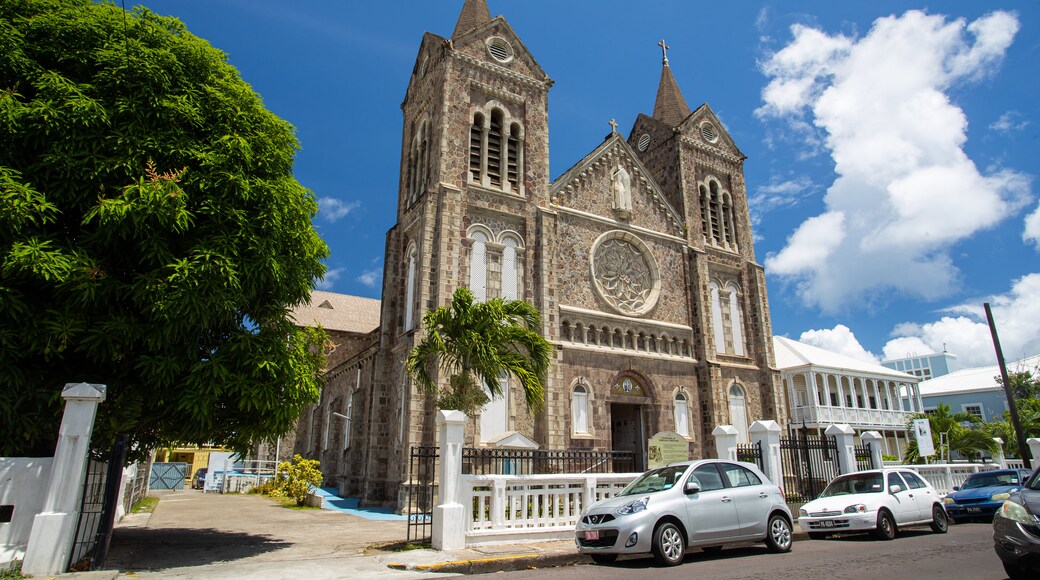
x: 880, y: 501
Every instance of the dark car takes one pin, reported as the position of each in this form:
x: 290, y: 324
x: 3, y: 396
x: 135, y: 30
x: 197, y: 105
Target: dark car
x: 199, y: 480
x: 983, y: 493
x: 1016, y: 531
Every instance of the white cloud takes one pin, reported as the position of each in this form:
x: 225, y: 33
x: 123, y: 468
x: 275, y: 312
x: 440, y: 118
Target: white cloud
x: 780, y: 193
x: 333, y: 209
x: 1032, y: 231
x: 330, y: 278
x: 371, y: 278
x: 906, y: 192
x: 840, y: 340
x: 964, y: 331
x: 1008, y: 122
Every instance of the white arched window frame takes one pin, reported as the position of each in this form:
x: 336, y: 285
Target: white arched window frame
x: 512, y: 274
x: 682, y: 414
x: 738, y: 412
x: 736, y: 319
x: 716, y: 318
x: 496, y: 148
x: 409, y: 292
x: 580, y: 410
x: 494, y: 417
x: 478, y: 264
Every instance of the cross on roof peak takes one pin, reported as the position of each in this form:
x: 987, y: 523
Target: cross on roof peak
x: 664, y: 50
x: 613, y: 126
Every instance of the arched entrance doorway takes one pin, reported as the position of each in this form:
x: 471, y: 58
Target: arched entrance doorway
x: 628, y: 407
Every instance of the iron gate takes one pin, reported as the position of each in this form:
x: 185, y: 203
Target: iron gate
x: 750, y: 453
x: 167, y: 476
x: 863, y: 458
x: 809, y: 463
x: 422, y: 492
x: 91, y: 509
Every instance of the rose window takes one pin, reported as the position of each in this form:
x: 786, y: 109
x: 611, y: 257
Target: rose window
x: 625, y: 274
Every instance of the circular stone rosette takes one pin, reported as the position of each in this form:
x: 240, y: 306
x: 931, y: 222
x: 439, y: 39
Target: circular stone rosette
x: 625, y: 273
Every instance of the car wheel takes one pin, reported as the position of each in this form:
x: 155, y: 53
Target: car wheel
x: 886, y: 527
x: 1017, y: 572
x: 940, y: 523
x: 604, y: 558
x: 778, y: 535
x: 712, y: 549
x: 817, y: 536
x: 669, y: 545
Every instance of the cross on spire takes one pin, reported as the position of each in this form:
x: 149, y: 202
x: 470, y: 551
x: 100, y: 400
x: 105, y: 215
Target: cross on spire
x: 664, y: 50
x: 613, y: 126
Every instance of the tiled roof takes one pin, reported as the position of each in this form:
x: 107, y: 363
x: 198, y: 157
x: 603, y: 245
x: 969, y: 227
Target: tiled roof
x: 474, y: 13
x: 793, y: 354
x: 340, y: 312
x: 975, y: 379
x: 670, y: 106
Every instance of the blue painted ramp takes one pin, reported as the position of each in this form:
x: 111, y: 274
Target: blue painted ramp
x: 349, y: 505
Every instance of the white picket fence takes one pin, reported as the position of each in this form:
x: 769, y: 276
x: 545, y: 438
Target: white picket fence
x: 536, y: 507
x: 945, y: 476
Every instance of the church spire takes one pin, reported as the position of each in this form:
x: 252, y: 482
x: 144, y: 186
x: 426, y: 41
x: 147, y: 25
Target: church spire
x: 670, y: 106
x: 474, y: 13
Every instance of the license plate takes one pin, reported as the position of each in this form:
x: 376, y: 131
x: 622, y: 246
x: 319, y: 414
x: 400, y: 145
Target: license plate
x: 973, y: 510
x: 592, y: 535
x: 827, y: 523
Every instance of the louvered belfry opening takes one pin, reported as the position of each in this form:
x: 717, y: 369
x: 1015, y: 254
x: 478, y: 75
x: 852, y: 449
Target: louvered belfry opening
x: 494, y: 145
x: 713, y: 208
x: 513, y: 158
x: 476, y: 137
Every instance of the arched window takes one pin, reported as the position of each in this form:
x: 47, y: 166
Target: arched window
x: 511, y: 274
x: 716, y: 318
x: 409, y: 291
x: 419, y: 162
x: 727, y: 220
x: 715, y: 220
x: 738, y: 412
x: 682, y: 415
x: 476, y: 148
x: 349, y: 420
x: 705, y: 228
x: 494, y: 149
x: 736, y: 320
x: 580, y: 409
x: 513, y: 158
x: 478, y: 266
x: 494, y: 417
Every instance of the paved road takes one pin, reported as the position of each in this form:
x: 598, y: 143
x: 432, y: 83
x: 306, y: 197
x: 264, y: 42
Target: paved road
x: 966, y: 552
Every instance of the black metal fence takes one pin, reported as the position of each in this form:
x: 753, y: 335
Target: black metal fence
x: 864, y: 460
x: 422, y: 492
x: 809, y: 463
x: 750, y: 453
x: 91, y: 511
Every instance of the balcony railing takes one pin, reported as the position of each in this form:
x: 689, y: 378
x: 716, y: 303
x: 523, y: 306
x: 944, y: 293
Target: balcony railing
x: 881, y: 418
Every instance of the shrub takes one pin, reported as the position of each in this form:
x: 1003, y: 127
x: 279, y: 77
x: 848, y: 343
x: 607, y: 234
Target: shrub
x: 295, y: 478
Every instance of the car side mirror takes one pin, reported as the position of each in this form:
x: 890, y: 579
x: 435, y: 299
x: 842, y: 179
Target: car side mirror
x: 691, y: 487
x: 894, y: 489
x: 956, y: 488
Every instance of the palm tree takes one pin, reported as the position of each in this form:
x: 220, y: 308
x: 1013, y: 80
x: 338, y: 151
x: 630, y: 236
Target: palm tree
x: 969, y: 441
x: 474, y: 341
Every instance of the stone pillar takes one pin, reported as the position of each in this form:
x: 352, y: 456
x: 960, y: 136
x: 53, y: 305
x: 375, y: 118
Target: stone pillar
x: 1034, y: 449
x: 449, y: 523
x: 767, y: 435
x: 999, y: 458
x: 846, y: 446
x: 874, y: 439
x: 50, y: 541
x: 726, y: 442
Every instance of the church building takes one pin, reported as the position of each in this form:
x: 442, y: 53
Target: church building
x: 640, y: 258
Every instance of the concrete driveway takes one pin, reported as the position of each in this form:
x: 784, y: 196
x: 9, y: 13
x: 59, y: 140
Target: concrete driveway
x: 207, y: 535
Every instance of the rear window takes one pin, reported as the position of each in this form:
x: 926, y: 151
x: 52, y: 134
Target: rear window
x: 913, y: 479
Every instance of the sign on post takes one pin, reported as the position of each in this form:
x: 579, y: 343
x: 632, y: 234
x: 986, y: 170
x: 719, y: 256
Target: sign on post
x: 665, y: 448
x: 923, y: 433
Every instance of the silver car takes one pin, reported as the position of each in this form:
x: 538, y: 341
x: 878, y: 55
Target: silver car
x: 703, y: 504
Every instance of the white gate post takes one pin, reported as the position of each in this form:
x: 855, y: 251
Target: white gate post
x: 449, y: 523
x: 874, y: 439
x: 1034, y: 448
x: 1000, y: 459
x: 767, y: 435
x: 51, y: 538
x: 726, y: 442
x: 844, y: 435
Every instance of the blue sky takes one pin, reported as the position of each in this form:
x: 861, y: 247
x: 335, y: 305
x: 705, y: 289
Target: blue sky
x: 892, y: 146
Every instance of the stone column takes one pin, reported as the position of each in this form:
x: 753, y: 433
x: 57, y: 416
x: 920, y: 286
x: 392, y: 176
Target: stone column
x: 999, y: 458
x: 874, y: 439
x: 726, y: 442
x: 846, y: 446
x: 50, y: 541
x: 449, y: 523
x: 767, y: 434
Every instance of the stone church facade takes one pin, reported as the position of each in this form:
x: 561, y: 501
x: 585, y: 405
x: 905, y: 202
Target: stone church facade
x: 640, y: 258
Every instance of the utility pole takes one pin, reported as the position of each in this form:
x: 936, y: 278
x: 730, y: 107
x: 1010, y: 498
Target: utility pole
x: 1023, y: 450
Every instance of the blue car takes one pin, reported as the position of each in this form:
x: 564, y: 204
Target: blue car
x: 983, y: 493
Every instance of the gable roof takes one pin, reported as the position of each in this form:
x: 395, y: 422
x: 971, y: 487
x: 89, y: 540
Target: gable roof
x: 791, y: 354
x: 339, y: 312
x: 974, y: 379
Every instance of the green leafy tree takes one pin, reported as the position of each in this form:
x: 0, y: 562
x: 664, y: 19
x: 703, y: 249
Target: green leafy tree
x: 969, y: 441
x: 1028, y: 415
x: 1025, y: 383
x: 479, y: 341
x: 152, y: 235
x: 296, y: 478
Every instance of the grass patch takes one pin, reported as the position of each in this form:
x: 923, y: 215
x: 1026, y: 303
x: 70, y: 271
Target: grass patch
x: 145, y: 506
x: 14, y: 572
x: 291, y: 504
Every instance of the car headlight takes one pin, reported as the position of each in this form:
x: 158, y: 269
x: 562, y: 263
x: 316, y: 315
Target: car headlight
x: 949, y: 500
x: 802, y: 513
x: 1000, y: 496
x: 1016, y: 512
x: 633, y: 507
x: 856, y: 509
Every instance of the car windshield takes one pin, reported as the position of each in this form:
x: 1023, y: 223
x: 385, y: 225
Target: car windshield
x: 656, y: 480
x: 990, y: 479
x: 855, y: 483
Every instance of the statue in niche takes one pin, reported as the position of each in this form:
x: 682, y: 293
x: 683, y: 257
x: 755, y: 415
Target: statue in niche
x: 622, y: 186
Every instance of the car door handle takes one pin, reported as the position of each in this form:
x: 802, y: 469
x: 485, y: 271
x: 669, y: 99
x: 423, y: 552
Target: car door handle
x: 726, y: 500
x: 910, y: 495
x: 763, y: 495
